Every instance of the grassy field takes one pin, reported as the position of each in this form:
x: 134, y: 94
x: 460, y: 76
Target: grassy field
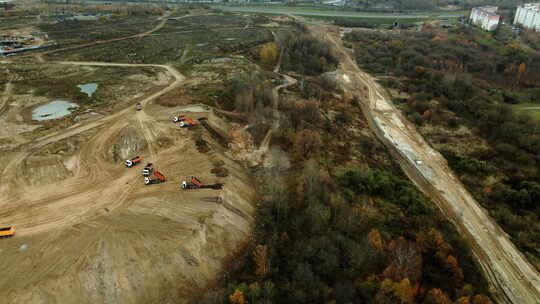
x: 7, y: 23
x: 74, y: 32
x: 181, y: 42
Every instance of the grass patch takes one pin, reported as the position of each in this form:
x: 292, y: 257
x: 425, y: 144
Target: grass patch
x: 522, y: 109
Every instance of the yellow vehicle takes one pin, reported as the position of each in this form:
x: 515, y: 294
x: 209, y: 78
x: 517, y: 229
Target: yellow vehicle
x: 7, y: 232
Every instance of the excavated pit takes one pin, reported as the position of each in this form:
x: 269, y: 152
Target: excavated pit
x: 128, y: 143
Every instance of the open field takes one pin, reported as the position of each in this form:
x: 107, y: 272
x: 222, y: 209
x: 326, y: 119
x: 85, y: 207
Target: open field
x: 181, y: 41
x: 72, y: 32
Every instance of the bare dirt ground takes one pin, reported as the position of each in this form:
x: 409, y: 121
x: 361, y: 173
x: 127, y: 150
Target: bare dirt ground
x: 90, y: 231
x: 512, y: 278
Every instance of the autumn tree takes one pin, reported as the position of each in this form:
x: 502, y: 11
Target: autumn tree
x: 406, y: 260
x: 269, y: 53
x: 237, y: 298
x: 437, y: 296
x: 451, y: 264
x: 375, y: 239
x: 260, y: 258
x: 481, y: 299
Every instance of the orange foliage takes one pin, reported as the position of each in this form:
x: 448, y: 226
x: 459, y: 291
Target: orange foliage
x: 437, y: 296
x: 480, y: 299
x: 375, y: 239
x: 237, y: 298
x: 260, y: 258
x: 463, y: 300
x: 452, y: 265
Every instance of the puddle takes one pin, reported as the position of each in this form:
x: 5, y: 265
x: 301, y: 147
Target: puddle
x: 88, y: 88
x: 53, y: 110
x: 230, y: 39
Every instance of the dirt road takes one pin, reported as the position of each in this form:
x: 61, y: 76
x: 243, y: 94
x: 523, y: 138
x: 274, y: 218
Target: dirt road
x: 511, y: 277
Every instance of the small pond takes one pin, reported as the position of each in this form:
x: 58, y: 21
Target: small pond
x: 53, y: 110
x: 88, y: 88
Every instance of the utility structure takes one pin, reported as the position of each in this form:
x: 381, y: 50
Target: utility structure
x: 194, y: 183
x: 133, y: 161
x: 159, y: 178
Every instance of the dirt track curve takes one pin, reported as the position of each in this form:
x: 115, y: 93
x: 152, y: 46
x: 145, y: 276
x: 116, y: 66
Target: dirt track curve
x: 512, y: 278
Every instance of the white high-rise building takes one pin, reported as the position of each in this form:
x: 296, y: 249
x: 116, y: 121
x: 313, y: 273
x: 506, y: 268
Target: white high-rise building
x: 485, y: 17
x: 528, y: 15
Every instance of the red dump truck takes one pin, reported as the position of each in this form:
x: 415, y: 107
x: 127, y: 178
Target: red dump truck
x: 133, y: 161
x: 159, y: 178
x: 195, y: 183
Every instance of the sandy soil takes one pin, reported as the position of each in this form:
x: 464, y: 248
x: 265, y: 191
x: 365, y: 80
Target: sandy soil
x: 512, y: 278
x: 90, y: 231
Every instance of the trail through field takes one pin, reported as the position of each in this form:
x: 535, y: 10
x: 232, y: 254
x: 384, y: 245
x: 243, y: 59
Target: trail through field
x: 512, y: 278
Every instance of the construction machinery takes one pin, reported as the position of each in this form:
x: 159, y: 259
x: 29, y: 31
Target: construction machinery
x: 187, y: 122
x: 195, y: 183
x: 6, y: 232
x: 177, y: 118
x: 147, y: 170
x: 138, y: 106
x: 160, y: 178
x: 133, y: 162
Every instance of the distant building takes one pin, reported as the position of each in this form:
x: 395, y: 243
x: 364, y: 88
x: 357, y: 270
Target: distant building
x: 485, y: 17
x: 528, y: 15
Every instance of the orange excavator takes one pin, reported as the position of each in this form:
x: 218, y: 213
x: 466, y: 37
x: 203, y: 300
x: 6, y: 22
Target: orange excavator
x: 7, y: 232
x: 195, y: 183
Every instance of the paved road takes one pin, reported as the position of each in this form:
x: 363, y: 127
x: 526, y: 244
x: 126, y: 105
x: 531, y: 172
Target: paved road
x: 307, y: 12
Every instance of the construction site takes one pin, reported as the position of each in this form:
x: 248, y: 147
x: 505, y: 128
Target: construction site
x: 115, y: 196
x: 130, y: 176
